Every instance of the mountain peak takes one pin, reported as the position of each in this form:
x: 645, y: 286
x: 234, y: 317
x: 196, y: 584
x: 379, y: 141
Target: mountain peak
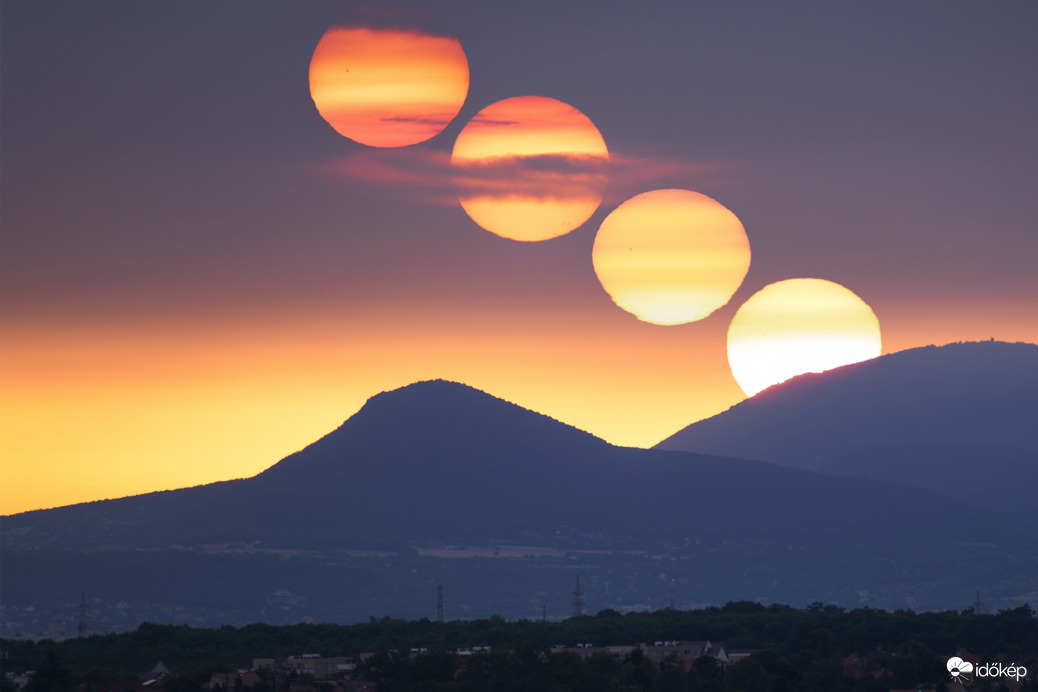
x: 438, y: 392
x: 421, y: 419
x: 446, y: 405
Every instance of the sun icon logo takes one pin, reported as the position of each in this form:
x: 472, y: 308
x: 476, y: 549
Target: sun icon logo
x: 959, y: 669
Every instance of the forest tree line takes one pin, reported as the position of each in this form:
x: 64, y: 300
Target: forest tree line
x: 795, y: 649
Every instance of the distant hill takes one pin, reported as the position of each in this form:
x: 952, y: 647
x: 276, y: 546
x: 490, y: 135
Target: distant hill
x: 921, y: 415
x: 381, y: 507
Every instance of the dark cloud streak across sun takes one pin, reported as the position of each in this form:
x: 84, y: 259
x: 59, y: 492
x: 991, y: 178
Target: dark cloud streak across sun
x: 427, y: 176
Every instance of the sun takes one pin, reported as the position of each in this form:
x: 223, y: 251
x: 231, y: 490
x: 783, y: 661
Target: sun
x: 388, y: 88
x: 798, y: 326
x: 671, y: 256
x: 530, y: 168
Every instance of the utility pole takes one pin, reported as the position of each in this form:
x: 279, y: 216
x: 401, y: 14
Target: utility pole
x: 544, y: 613
x: 81, y: 619
x: 578, y: 600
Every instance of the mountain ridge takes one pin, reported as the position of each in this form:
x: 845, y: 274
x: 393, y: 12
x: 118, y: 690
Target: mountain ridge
x: 918, y: 417
x: 909, y: 395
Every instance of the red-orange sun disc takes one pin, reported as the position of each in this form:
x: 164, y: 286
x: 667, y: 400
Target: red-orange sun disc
x: 388, y: 88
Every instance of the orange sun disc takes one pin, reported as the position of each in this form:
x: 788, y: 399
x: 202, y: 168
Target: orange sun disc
x: 530, y: 168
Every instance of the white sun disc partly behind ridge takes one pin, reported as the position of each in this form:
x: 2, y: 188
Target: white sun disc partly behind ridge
x: 798, y: 326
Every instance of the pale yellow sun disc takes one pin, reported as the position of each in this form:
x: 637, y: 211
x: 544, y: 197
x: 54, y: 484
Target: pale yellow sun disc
x: 798, y: 326
x: 671, y: 256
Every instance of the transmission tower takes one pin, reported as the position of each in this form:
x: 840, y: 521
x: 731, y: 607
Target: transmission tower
x: 578, y: 600
x: 81, y: 619
x: 978, y: 605
x: 439, y: 613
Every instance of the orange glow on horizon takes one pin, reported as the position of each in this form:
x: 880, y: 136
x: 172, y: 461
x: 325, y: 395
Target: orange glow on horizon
x: 671, y: 256
x: 530, y: 168
x: 798, y: 326
x: 388, y: 88
x: 101, y: 408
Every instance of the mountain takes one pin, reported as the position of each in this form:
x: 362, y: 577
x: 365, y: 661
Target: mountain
x: 441, y: 462
x: 919, y: 416
x: 384, y: 506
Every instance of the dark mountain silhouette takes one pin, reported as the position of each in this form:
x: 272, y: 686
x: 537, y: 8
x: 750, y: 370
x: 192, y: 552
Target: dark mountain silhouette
x: 418, y: 449
x: 441, y: 462
x: 436, y: 464
x: 919, y: 416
